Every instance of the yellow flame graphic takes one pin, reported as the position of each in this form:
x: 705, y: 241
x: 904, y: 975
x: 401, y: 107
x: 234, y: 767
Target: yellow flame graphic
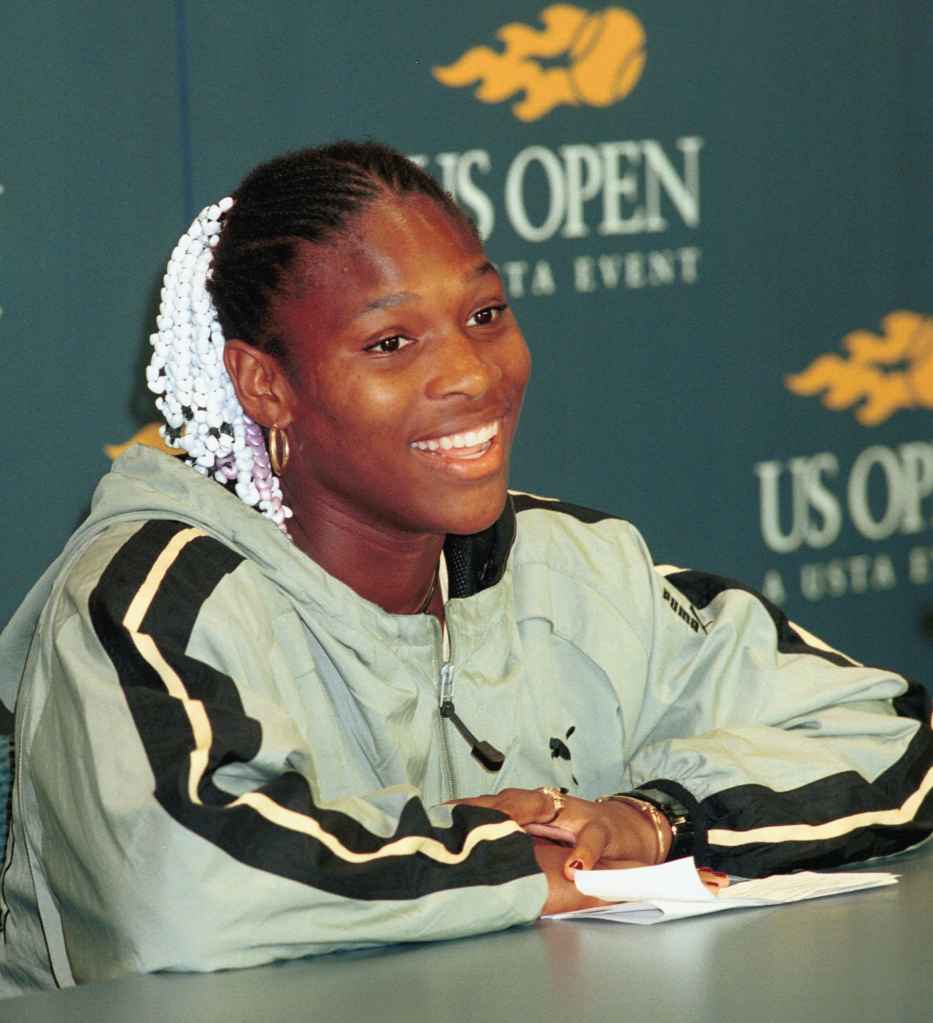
x: 886, y: 372
x: 148, y: 435
x: 602, y: 55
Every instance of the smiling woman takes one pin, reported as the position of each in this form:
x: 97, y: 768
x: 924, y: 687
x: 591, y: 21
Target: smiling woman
x: 400, y: 354
x: 236, y: 731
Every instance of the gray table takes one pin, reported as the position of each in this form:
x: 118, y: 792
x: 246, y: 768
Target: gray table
x: 863, y: 956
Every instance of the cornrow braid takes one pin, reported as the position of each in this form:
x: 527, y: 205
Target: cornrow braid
x: 308, y: 196
x: 223, y: 279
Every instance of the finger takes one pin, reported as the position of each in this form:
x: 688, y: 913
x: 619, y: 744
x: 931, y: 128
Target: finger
x: 489, y: 801
x: 713, y: 879
x: 552, y: 833
x: 563, y: 895
x: 591, y: 843
x: 524, y: 806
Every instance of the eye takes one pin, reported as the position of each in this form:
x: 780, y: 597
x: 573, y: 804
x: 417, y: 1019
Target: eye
x: 487, y: 316
x: 389, y: 345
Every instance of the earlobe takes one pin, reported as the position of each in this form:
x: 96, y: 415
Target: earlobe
x: 260, y: 383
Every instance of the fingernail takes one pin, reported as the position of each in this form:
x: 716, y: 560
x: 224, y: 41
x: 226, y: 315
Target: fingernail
x: 718, y: 873
x: 575, y: 865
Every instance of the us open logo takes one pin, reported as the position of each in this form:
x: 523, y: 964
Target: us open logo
x: 580, y: 58
x: 614, y: 192
x: 881, y: 495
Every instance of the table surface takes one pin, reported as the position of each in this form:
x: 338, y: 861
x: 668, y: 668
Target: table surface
x: 862, y: 956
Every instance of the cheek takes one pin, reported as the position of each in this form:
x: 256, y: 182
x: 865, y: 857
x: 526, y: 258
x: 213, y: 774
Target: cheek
x: 516, y: 367
x: 376, y: 404
x: 350, y: 406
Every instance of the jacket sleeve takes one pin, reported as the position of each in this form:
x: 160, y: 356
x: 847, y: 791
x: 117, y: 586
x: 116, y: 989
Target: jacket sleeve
x: 177, y: 831
x: 787, y: 753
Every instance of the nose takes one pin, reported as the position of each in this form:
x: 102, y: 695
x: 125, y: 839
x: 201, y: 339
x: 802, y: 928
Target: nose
x: 463, y: 367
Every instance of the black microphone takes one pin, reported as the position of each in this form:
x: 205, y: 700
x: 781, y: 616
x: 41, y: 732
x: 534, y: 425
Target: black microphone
x: 483, y: 751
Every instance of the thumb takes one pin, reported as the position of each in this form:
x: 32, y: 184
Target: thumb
x: 591, y: 843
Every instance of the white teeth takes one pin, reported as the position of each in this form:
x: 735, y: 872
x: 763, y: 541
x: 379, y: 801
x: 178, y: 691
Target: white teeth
x: 467, y: 439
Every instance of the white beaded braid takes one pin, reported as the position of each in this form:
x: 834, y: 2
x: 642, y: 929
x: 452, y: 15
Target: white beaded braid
x: 195, y: 394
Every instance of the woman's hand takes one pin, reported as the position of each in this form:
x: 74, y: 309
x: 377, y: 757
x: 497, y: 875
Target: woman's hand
x: 563, y: 895
x: 582, y: 836
x: 595, y: 832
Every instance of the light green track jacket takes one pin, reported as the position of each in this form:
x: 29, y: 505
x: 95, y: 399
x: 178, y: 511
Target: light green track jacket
x: 225, y: 756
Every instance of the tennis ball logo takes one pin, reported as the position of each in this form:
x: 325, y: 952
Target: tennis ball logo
x: 580, y: 58
x: 880, y: 374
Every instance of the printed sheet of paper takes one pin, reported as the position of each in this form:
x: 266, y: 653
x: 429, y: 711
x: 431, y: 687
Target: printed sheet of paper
x: 672, y: 891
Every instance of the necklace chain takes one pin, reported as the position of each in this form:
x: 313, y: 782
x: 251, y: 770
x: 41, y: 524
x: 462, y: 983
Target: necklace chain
x: 432, y: 589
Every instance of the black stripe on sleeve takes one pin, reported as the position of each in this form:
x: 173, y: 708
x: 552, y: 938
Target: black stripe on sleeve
x: 747, y: 807
x: 246, y: 835
x: 701, y: 588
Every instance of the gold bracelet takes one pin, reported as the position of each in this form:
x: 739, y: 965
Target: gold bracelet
x: 652, y: 813
x: 557, y: 798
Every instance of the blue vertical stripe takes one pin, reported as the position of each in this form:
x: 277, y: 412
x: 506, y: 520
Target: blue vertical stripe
x: 183, y: 52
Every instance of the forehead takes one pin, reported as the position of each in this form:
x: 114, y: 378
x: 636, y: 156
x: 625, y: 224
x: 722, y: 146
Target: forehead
x: 398, y: 244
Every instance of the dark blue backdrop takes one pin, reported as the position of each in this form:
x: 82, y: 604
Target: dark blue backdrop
x: 734, y: 209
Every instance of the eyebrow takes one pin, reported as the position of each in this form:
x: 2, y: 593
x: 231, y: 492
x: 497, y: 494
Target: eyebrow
x: 399, y: 297
x: 487, y: 267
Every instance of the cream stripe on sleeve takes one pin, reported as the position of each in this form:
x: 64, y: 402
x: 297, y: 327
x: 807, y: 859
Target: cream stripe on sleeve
x: 831, y: 829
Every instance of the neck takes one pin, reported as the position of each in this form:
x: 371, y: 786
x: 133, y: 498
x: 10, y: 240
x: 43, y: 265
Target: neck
x: 391, y: 568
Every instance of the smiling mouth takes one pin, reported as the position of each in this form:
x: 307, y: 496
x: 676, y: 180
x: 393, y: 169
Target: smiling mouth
x: 465, y: 446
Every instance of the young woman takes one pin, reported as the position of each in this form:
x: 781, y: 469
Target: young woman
x: 262, y: 698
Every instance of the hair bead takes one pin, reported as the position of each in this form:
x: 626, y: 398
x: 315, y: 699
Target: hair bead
x: 186, y: 370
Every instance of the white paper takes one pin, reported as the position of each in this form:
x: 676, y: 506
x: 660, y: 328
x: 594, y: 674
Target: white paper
x: 676, y: 879
x: 673, y: 891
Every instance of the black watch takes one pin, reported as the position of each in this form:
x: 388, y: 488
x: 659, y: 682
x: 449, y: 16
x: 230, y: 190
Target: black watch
x: 678, y: 816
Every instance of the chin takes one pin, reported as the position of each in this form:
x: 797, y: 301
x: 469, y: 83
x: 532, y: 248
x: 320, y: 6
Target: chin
x: 465, y: 517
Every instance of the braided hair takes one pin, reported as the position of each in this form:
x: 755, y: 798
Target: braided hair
x: 308, y: 196
x: 237, y: 258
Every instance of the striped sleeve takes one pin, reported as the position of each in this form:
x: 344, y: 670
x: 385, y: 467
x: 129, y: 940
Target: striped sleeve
x: 272, y: 849
x: 788, y: 753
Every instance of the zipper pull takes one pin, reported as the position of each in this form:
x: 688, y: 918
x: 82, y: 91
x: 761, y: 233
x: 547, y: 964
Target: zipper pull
x: 447, y: 683
x: 483, y: 751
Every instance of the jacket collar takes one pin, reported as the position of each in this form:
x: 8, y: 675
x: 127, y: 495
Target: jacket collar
x: 478, y: 560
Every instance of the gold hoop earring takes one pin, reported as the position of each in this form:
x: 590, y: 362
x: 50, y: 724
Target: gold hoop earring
x: 278, y: 450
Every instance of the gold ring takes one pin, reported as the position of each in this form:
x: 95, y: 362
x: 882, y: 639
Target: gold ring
x: 557, y: 798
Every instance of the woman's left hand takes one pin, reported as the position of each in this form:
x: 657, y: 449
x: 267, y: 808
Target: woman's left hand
x: 609, y: 830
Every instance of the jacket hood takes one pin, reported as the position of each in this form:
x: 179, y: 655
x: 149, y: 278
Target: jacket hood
x: 147, y: 484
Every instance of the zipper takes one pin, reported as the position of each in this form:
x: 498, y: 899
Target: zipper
x: 483, y: 752
x: 480, y: 750
x: 445, y: 702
